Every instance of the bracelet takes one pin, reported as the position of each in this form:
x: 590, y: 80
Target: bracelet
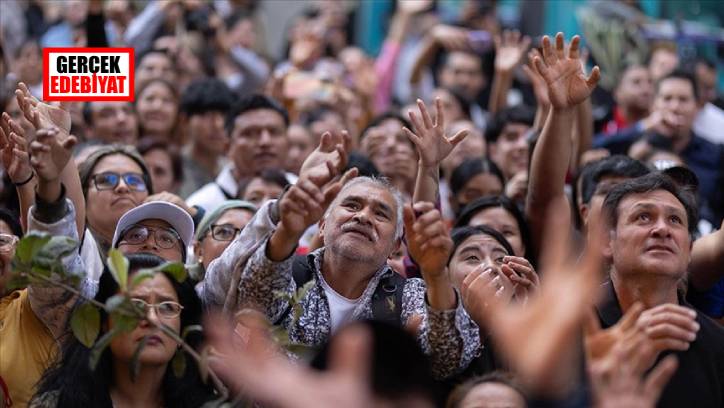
x: 32, y: 174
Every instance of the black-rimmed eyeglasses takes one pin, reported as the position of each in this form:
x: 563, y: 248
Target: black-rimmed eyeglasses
x: 109, y: 180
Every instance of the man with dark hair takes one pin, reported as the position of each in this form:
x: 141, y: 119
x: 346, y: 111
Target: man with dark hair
x: 670, y: 126
x: 506, y: 138
x: 598, y: 178
x: 111, y: 122
x: 152, y: 64
x: 322, y: 119
x: 650, y: 225
x: 204, y: 106
x: 633, y: 95
x: 710, y: 120
x: 390, y: 150
x: 257, y: 127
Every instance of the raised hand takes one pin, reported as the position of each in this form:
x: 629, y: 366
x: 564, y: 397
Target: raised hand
x: 328, y: 159
x: 669, y: 326
x: 301, y: 206
x: 509, y: 50
x: 523, y: 276
x: 51, y: 153
x: 599, y: 343
x: 479, y: 284
x: 618, y: 358
x: 517, y: 187
x: 261, y: 376
x: 567, y: 84
x: 429, y: 138
x: 41, y: 114
x: 14, y: 150
x: 429, y: 243
x: 451, y: 38
x: 427, y: 238
x: 540, y: 87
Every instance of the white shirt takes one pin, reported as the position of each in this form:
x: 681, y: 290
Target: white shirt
x: 91, y: 258
x: 211, y: 196
x: 341, y: 309
x: 709, y: 123
x: 225, y: 187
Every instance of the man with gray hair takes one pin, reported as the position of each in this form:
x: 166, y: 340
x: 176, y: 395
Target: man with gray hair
x: 361, y: 224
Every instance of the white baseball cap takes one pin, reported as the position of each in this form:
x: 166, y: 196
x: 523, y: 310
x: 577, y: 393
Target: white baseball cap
x: 177, y: 217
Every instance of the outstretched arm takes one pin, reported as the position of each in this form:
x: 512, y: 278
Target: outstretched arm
x: 451, y: 38
x: 567, y: 87
x: 509, y: 50
x: 707, y: 260
x: 15, y: 158
x: 53, y: 213
x: 45, y: 116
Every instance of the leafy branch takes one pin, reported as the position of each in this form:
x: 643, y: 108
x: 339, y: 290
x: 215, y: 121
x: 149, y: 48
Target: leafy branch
x: 39, y: 259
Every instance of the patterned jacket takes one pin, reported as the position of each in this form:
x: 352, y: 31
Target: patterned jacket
x: 244, y: 277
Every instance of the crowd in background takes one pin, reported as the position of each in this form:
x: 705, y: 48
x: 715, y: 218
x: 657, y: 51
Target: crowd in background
x: 474, y: 216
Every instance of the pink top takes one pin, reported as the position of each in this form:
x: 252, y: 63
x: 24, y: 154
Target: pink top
x: 385, y: 70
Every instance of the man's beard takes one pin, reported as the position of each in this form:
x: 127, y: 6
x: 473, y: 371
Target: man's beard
x: 353, y: 254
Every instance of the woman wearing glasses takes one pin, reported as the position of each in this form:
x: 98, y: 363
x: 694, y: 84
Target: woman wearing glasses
x: 218, y: 229
x: 72, y: 383
x: 114, y: 180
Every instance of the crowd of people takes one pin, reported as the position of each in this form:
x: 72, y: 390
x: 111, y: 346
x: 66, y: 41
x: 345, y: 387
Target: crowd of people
x: 467, y: 219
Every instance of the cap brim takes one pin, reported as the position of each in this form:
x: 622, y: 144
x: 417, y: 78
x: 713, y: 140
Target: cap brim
x: 177, y: 217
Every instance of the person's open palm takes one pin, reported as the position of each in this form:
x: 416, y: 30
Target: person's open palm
x: 567, y: 84
x: 14, y: 153
x: 509, y: 50
x: 51, y: 152
x: 41, y: 114
x: 328, y: 159
x: 429, y: 138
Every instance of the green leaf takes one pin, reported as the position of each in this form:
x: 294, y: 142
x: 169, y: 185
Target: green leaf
x: 190, y: 329
x: 40, y: 269
x: 135, y: 366
x: 282, y: 295
x: 114, y: 302
x: 86, y: 323
x: 175, y: 269
x: 124, y: 314
x: 100, y: 345
x: 179, y: 363
x: 141, y: 276
x: 123, y: 321
x: 302, y: 292
x: 58, y: 247
x: 118, y: 264
x: 280, y: 336
x: 30, y: 245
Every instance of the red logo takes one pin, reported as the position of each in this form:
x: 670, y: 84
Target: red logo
x: 88, y: 74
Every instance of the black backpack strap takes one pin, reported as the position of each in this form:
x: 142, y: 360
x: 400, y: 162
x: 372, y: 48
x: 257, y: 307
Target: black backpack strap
x: 387, y: 299
x: 302, y: 272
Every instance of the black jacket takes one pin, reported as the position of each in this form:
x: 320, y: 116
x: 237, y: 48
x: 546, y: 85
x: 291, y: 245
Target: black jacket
x: 699, y: 380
